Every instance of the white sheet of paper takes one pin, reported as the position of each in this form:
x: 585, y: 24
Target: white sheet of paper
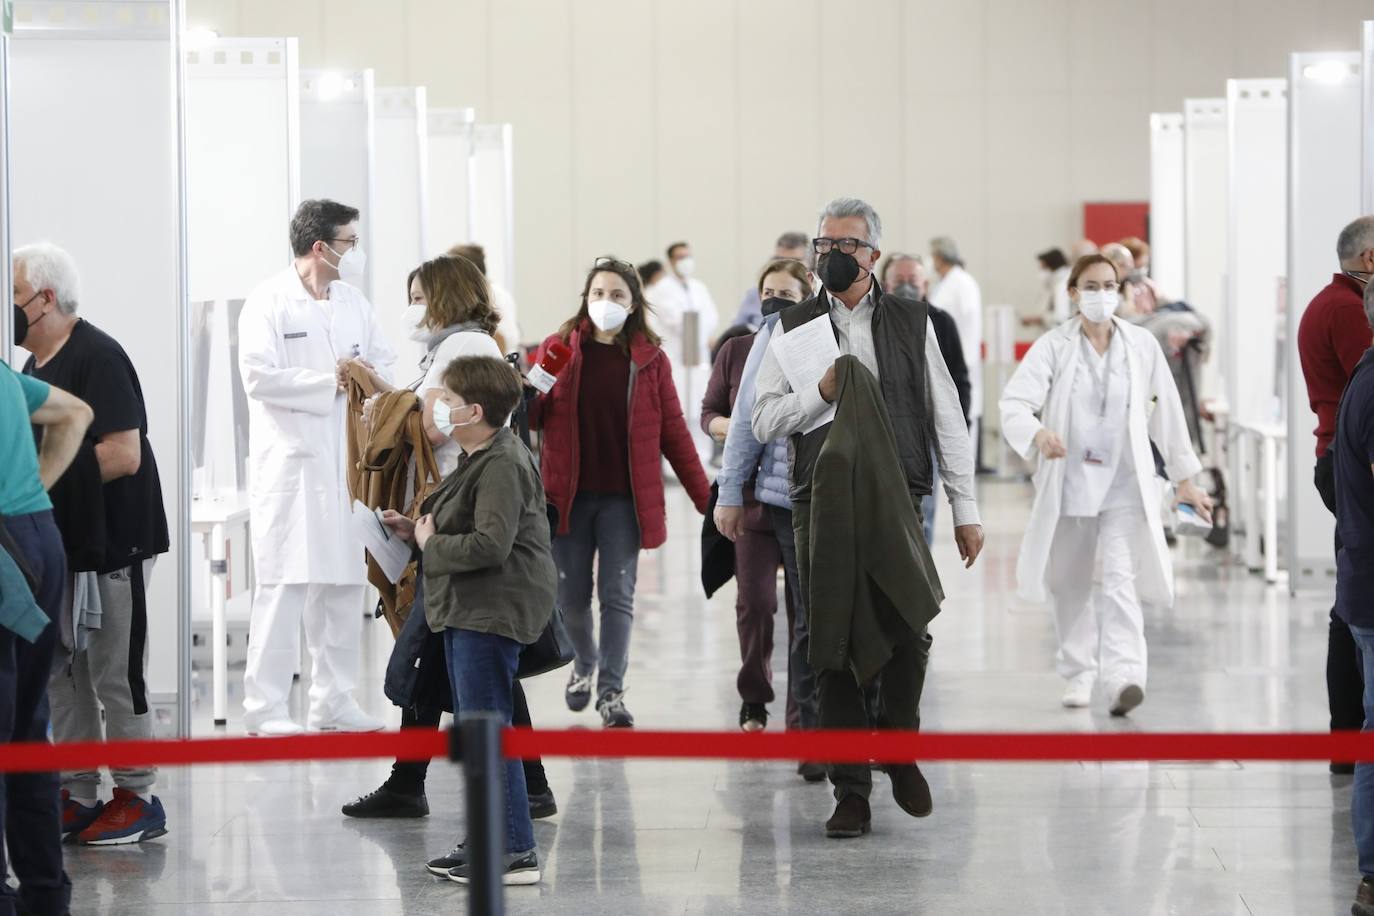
x: 391, y: 553
x: 805, y: 354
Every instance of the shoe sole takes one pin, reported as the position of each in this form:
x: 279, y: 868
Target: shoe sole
x: 752, y: 727
x: 848, y: 834
x: 440, y: 872
x: 578, y: 704
x: 390, y: 816
x: 510, y: 879
x: 142, y: 837
x: 1075, y: 703
x: 539, y: 814
x: 1129, y: 699
x: 334, y: 729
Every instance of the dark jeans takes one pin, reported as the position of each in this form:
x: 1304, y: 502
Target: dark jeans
x: 801, y: 679
x: 1362, y: 803
x: 30, y: 803
x: 409, y: 775
x: 1344, y: 680
x: 602, y: 528
x: 481, y: 667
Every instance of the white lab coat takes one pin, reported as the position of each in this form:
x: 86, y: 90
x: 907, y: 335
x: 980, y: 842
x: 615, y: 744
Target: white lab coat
x: 297, y: 487
x: 957, y: 293
x: 1042, y: 386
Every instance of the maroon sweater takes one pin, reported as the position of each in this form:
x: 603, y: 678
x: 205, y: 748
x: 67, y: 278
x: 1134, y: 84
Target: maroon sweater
x: 1332, y: 336
x: 603, y: 419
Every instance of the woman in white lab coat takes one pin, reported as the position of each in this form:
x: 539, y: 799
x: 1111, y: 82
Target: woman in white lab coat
x: 1087, y: 401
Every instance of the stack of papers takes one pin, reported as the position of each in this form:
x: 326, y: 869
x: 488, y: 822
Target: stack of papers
x: 805, y: 354
x: 391, y: 553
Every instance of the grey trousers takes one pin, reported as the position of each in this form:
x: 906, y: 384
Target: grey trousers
x: 108, y: 676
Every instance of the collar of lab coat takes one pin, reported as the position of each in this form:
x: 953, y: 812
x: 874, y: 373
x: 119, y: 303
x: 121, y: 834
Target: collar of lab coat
x: 293, y: 287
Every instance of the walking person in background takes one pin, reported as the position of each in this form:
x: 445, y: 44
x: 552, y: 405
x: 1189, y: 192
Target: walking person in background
x: 608, y: 424
x: 957, y: 293
x: 683, y: 308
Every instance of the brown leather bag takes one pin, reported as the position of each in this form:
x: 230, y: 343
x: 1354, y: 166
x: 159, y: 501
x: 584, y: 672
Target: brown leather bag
x: 380, y: 455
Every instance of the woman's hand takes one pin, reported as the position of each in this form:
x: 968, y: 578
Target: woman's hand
x: 368, y: 407
x: 400, y: 525
x: 728, y: 520
x: 719, y: 428
x: 1195, y: 496
x: 1049, y: 444
x: 424, y: 530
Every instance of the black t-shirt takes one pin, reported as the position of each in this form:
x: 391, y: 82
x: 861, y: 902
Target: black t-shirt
x: 93, y: 366
x: 1354, y: 455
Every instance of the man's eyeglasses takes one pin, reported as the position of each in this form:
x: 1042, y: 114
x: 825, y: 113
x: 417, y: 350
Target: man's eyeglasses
x: 846, y: 246
x: 348, y: 243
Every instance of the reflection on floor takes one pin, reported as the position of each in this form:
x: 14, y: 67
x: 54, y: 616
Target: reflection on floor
x: 689, y: 838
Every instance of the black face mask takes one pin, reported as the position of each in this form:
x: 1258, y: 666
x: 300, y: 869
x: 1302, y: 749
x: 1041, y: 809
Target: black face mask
x: 907, y: 291
x: 774, y: 304
x: 838, y: 270
x: 21, y: 326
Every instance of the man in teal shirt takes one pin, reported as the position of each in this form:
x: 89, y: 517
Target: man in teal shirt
x: 30, y: 805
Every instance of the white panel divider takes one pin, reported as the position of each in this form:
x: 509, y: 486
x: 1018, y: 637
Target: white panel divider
x: 450, y: 177
x: 1167, y: 224
x: 1367, y: 106
x: 1205, y: 226
x: 399, y: 220
x: 494, y: 196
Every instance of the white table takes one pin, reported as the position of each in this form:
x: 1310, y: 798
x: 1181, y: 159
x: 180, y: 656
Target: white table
x: 212, y: 516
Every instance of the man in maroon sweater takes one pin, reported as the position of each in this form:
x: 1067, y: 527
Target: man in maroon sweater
x: 1332, y: 337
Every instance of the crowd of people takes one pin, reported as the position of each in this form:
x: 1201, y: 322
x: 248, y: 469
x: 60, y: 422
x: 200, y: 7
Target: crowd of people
x: 510, y: 542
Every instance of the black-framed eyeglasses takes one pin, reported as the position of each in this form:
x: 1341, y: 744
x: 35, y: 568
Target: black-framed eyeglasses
x: 846, y: 246
x: 614, y: 264
x: 351, y: 243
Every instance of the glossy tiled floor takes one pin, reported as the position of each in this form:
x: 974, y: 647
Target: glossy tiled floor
x: 690, y: 838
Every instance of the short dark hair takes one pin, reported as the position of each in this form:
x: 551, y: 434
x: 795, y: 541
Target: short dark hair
x: 674, y: 247
x: 473, y: 252
x: 318, y: 221
x: 488, y: 381
x: 648, y: 270
x: 1052, y: 259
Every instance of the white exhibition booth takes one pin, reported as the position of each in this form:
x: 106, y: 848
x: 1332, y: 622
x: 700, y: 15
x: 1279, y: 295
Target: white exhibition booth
x: 1205, y: 225
x: 451, y: 178
x: 493, y: 190
x: 399, y: 217
x: 1168, y: 256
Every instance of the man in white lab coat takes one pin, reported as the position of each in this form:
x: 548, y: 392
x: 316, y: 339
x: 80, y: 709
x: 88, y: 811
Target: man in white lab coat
x: 297, y: 332
x: 674, y: 298
x: 957, y: 293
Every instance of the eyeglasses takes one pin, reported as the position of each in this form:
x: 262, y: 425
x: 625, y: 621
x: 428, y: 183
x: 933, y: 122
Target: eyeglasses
x: 846, y: 246
x: 350, y: 243
x: 613, y: 264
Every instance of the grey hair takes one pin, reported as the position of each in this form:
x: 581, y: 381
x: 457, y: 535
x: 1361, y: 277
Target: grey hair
x: 48, y: 267
x: 846, y: 207
x: 946, y: 249
x: 1355, y: 239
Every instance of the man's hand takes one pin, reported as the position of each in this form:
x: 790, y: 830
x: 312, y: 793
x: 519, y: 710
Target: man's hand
x: 1195, y: 496
x: 368, y: 406
x: 400, y: 525
x: 720, y: 428
x: 827, y: 385
x: 1049, y: 444
x: 729, y: 520
x: 424, y: 530
x: 970, y: 541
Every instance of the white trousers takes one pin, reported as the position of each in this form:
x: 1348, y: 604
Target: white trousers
x: 1097, y: 615
x: 333, y: 619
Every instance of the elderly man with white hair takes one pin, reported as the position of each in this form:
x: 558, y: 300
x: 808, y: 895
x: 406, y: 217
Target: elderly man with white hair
x: 897, y: 415
x: 108, y: 506
x: 957, y: 293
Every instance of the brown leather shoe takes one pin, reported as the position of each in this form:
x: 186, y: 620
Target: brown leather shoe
x: 1364, y: 899
x: 911, y: 790
x: 851, y: 818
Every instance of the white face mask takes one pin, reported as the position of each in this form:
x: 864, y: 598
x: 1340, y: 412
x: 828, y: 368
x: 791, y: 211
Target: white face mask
x: 351, y: 265
x: 608, y: 316
x: 414, y: 322
x: 443, y: 417
x: 1098, y: 305
x: 686, y: 267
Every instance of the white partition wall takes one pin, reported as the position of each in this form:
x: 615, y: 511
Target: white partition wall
x: 450, y: 177
x: 1167, y: 233
x: 399, y: 215
x: 110, y: 70
x: 1257, y: 245
x: 1205, y: 224
x: 338, y: 153
x: 1323, y: 196
x: 1367, y: 93
x: 494, y: 196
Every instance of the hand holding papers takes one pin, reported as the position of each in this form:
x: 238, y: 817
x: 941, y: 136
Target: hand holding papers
x: 805, y: 354
x: 391, y: 553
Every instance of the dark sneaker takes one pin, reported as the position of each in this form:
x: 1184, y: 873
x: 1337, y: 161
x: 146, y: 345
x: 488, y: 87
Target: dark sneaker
x: 910, y: 790
x: 76, y: 817
x: 812, y: 772
x: 1364, y: 899
x: 542, y: 805
x: 613, y: 711
x: 1130, y: 696
x: 1342, y: 769
x: 384, y: 802
x: 522, y: 868
x: 851, y: 818
x: 579, y: 692
x: 457, y: 856
x: 126, y: 819
x: 753, y: 717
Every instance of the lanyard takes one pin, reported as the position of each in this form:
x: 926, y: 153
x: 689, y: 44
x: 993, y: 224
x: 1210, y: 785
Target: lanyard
x: 1091, y: 358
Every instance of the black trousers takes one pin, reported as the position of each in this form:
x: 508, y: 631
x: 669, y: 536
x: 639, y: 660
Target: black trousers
x: 1344, y: 681
x: 30, y: 803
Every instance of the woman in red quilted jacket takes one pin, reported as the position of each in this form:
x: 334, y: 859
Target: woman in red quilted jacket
x: 608, y: 423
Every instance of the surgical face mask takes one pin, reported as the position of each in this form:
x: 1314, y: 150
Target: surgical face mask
x: 838, y: 270
x: 414, y: 322
x: 608, y: 316
x: 774, y: 304
x: 443, y: 417
x: 686, y: 267
x: 1136, y: 275
x: 351, y: 265
x: 1099, y: 304
x: 907, y: 291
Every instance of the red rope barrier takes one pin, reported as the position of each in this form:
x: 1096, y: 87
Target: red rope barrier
x: 831, y: 746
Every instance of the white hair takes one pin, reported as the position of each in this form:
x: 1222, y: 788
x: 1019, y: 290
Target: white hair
x: 845, y: 207
x: 1355, y: 239
x: 48, y: 267
x: 946, y: 249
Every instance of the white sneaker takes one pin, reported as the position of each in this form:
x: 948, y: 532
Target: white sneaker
x: 276, y: 728
x: 1127, y: 698
x: 352, y: 719
x: 1079, y: 693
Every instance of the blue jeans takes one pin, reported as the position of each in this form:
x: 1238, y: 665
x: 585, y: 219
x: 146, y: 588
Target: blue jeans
x: 1362, y: 805
x: 481, y: 668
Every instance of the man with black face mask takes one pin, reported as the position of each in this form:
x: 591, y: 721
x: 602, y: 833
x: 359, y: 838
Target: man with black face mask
x: 1332, y: 336
x: 891, y: 339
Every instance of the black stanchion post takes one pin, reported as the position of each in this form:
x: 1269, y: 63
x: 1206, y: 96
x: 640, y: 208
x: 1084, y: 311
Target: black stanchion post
x: 476, y: 743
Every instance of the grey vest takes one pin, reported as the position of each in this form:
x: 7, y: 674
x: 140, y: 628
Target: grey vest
x: 899, y: 337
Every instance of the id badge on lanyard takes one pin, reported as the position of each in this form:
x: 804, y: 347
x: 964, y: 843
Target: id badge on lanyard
x: 1099, y: 444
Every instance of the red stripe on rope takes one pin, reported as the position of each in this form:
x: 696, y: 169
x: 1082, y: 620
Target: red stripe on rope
x: 829, y: 746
